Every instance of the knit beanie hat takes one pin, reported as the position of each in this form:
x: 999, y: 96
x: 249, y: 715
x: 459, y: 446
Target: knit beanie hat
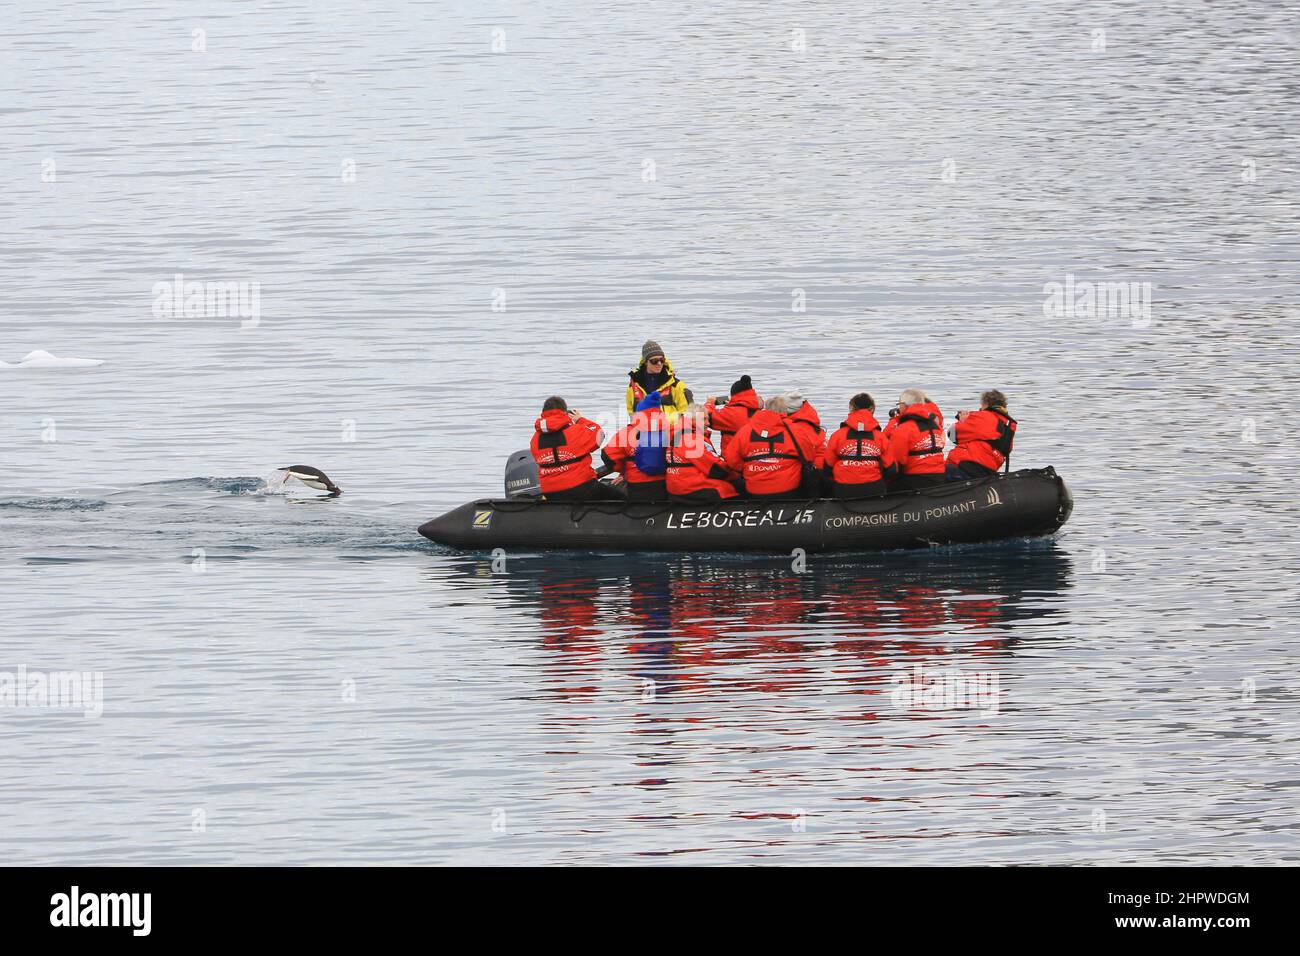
x: 650, y: 350
x: 743, y: 384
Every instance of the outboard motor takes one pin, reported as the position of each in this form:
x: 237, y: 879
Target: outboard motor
x: 523, y: 479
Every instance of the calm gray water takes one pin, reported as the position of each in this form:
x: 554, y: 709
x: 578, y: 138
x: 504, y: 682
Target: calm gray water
x: 288, y: 680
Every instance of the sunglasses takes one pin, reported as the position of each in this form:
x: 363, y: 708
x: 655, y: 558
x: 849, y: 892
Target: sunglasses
x: 654, y: 361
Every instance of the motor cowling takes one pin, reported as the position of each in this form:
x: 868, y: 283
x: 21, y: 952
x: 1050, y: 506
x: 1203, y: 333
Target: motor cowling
x: 523, y: 478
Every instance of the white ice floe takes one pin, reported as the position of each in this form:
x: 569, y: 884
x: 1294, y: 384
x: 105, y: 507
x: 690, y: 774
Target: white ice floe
x: 43, y: 359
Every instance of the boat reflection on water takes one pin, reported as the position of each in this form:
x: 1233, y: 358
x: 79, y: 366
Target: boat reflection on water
x: 775, y: 624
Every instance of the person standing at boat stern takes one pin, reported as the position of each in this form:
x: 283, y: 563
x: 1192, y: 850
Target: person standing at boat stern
x: 655, y: 374
x: 983, y: 438
x: 562, y: 444
x: 639, y: 452
x: 771, y: 453
x: 859, y: 461
x: 695, y: 472
x: 916, y: 440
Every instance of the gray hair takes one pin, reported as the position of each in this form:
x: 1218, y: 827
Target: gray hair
x: 912, y: 396
x: 778, y: 405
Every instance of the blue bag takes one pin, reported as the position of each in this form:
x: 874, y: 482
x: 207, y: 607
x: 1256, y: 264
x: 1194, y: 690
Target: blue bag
x: 651, y: 455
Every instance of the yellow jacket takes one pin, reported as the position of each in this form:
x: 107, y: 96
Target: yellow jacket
x: 672, y: 392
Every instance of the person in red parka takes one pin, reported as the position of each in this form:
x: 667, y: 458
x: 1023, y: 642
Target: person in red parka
x: 649, y: 425
x: 562, y: 445
x: 770, y: 453
x: 695, y: 472
x: 804, y: 418
x: 916, y: 440
x: 984, y: 439
x: 859, y: 461
x: 728, y: 416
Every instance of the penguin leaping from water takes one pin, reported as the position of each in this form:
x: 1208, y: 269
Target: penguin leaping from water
x: 312, y: 478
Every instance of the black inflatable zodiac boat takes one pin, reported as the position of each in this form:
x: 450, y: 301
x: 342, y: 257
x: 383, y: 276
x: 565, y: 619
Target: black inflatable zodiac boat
x: 1026, y: 503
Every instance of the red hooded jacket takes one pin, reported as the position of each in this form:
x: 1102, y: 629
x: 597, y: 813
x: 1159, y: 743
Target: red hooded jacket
x: 620, y: 453
x: 562, y: 449
x: 985, y: 438
x: 916, y: 439
x: 807, y: 420
x: 765, y: 453
x: 731, y: 417
x: 858, y: 453
x: 692, y: 465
